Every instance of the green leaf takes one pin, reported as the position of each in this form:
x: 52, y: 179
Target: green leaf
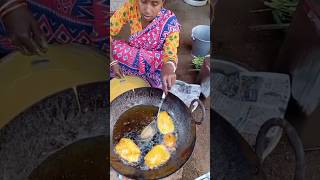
x: 197, y: 62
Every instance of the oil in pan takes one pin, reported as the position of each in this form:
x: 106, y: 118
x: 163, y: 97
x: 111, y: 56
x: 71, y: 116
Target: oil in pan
x: 130, y: 125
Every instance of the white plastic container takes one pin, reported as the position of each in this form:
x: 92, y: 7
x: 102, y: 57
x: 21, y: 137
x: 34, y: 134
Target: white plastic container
x: 201, y: 41
x: 196, y: 2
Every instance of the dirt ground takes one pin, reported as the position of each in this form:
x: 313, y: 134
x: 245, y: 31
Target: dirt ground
x: 257, y: 50
x: 279, y: 165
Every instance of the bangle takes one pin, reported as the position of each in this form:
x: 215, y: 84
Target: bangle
x: 5, y: 12
x: 8, y: 3
x: 113, y: 63
x: 173, y: 65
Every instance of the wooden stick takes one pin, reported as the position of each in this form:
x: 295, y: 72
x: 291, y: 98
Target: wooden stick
x: 194, y: 69
x: 260, y: 10
x: 270, y: 27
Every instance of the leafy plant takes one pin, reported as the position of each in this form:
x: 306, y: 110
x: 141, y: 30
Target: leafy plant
x: 197, y: 62
x: 282, y: 9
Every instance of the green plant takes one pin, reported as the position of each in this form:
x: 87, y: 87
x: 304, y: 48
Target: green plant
x: 282, y: 9
x: 197, y: 62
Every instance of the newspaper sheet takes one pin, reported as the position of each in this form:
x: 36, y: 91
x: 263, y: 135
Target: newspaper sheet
x: 186, y: 92
x: 248, y: 99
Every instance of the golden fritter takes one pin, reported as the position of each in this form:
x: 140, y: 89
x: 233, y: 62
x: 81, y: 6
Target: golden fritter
x: 170, y: 140
x: 157, y: 156
x: 128, y: 150
x: 165, y: 123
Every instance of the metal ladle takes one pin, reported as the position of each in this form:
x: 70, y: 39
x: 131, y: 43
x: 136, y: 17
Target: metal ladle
x: 149, y: 131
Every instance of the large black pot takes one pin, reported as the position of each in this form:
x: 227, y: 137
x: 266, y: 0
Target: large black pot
x: 63, y: 136
x: 183, y: 120
x: 234, y: 159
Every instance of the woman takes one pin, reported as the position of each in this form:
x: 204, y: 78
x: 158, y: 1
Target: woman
x: 151, y: 51
x: 30, y: 25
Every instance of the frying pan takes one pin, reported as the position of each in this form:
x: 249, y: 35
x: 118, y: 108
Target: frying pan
x: 48, y: 103
x: 184, y: 122
x: 233, y: 158
x: 26, y: 80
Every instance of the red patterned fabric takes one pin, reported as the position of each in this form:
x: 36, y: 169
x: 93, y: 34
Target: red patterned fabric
x: 68, y: 21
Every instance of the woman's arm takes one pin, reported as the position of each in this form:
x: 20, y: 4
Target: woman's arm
x: 170, y: 48
x: 21, y: 27
x: 119, y: 19
x: 170, y: 59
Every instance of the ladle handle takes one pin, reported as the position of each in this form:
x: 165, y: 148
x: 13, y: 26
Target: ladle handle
x: 161, y: 102
x: 203, y: 110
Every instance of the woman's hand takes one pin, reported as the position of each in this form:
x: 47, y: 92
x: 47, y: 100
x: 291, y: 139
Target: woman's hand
x: 168, y: 77
x: 24, y: 31
x: 117, y: 71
